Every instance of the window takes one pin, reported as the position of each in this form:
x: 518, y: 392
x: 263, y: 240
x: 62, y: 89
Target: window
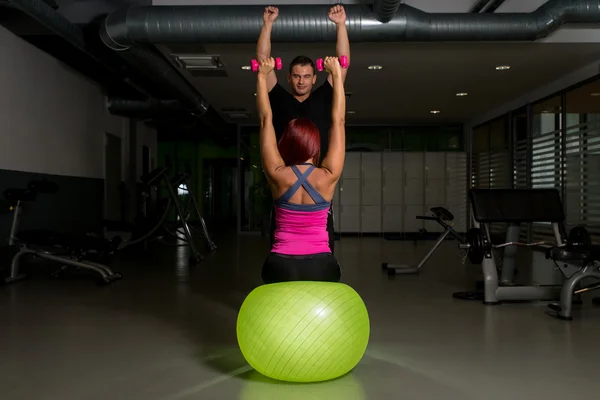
x: 480, y: 157
x: 490, y: 161
x: 500, y: 170
x: 546, y: 140
x: 581, y: 169
x: 556, y: 148
x: 546, y: 154
x: 520, y: 160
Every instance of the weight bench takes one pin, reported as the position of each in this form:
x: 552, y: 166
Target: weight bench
x: 516, y: 206
x: 65, y: 249
x: 443, y: 217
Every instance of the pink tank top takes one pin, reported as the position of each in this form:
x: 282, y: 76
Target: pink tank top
x: 301, y: 229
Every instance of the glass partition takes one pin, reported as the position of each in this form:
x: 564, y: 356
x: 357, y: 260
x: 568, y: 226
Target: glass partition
x: 582, y: 157
x: 520, y: 149
x: 552, y: 143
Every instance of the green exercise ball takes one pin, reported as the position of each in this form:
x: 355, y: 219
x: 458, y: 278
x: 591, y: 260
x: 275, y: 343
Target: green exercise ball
x: 256, y: 386
x: 303, y: 331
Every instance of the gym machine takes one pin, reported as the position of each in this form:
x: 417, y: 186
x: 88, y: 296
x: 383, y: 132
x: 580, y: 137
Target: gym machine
x: 190, y: 208
x: 65, y: 249
x: 578, y: 257
x: 158, y: 228
x: 440, y: 215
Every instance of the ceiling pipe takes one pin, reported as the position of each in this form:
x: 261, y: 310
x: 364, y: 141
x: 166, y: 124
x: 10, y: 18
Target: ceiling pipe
x: 124, y: 29
x: 385, y: 9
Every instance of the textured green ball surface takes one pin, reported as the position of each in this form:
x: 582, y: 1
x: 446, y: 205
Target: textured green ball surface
x: 303, y: 331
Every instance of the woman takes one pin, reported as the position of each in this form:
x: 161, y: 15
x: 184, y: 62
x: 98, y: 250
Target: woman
x: 302, y: 190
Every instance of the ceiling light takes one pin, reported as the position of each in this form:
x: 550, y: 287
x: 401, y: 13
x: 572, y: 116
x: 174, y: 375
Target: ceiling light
x: 461, y: 94
x: 503, y: 67
x: 351, y: 112
x: 435, y: 111
x: 198, y: 62
x: 374, y: 67
x: 595, y: 94
x: 246, y: 67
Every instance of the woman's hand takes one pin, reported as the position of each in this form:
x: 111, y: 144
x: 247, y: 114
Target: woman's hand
x: 266, y: 66
x: 332, y: 65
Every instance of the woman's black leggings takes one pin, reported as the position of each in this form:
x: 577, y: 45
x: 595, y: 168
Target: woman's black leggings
x: 313, y: 267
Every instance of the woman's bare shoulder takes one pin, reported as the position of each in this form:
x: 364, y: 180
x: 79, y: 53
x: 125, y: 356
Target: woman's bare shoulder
x: 323, y: 179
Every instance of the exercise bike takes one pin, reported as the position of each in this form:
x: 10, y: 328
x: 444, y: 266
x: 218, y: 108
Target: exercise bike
x: 440, y: 215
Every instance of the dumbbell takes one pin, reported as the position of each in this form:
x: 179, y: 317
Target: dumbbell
x: 255, y: 64
x: 343, y: 63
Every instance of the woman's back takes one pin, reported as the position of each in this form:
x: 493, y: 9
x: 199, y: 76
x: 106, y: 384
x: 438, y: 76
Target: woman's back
x: 317, y: 178
x: 301, y: 213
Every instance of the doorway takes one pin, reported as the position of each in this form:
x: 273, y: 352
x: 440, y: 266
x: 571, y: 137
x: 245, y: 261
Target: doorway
x: 219, y: 190
x: 113, y: 184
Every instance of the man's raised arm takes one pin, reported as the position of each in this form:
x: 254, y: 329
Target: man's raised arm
x: 337, y: 15
x: 263, y: 46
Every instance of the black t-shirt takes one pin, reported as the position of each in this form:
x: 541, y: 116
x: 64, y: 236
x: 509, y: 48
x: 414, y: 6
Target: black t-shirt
x: 317, y: 107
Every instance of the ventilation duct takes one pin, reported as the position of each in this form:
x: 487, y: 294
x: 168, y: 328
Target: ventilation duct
x: 155, y: 66
x: 385, y: 9
x: 308, y: 23
x: 146, y: 59
x: 45, y: 15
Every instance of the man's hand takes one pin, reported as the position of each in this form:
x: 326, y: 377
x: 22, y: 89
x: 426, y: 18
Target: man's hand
x: 270, y: 15
x: 266, y: 66
x: 337, y: 14
x: 332, y: 65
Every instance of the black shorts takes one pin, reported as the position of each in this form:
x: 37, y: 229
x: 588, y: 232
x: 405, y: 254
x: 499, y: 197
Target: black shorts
x: 314, y: 267
x: 330, y: 229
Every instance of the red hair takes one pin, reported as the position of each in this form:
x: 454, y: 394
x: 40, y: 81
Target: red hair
x: 300, y: 142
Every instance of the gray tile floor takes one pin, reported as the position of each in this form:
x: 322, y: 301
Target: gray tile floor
x: 167, y: 332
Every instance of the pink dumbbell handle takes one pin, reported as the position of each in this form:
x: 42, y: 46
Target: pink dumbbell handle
x: 255, y: 64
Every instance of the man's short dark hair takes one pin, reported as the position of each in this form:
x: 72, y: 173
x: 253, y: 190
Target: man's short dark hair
x: 303, y: 60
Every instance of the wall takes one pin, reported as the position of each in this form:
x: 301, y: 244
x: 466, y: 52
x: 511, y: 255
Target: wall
x: 53, y: 122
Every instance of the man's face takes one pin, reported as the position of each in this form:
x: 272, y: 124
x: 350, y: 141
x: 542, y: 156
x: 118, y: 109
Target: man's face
x: 302, y: 79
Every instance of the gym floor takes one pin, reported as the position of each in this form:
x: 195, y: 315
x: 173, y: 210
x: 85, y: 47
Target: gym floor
x: 167, y: 331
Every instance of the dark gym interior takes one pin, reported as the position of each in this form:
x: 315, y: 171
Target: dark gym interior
x: 135, y: 214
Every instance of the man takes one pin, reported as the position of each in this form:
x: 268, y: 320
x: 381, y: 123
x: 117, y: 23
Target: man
x: 301, y: 101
